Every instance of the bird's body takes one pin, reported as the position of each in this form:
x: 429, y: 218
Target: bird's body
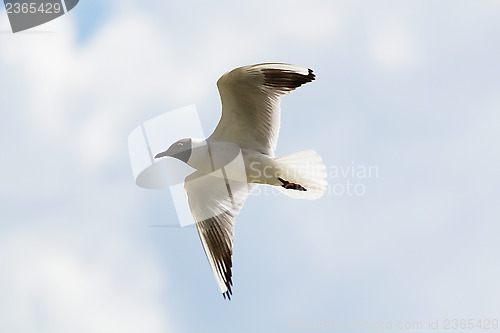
x: 240, y: 154
x: 222, y: 153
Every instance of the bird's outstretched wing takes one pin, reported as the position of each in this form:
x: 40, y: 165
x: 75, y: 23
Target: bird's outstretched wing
x: 214, y: 200
x: 250, y: 103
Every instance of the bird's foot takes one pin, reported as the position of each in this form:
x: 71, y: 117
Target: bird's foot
x: 292, y: 186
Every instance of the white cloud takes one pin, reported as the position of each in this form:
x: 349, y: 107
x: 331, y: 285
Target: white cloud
x: 98, y: 138
x: 306, y: 23
x: 392, y: 43
x: 54, y: 282
x: 83, y: 95
x: 71, y: 106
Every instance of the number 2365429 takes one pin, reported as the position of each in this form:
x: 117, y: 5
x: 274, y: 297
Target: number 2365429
x: 32, y: 8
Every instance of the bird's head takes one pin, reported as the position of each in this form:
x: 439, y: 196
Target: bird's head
x: 180, y: 150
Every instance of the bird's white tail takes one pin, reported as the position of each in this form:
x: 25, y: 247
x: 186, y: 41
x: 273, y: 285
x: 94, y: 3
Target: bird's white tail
x: 304, y: 168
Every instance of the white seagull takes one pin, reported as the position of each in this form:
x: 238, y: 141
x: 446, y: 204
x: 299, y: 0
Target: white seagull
x: 240, y: 154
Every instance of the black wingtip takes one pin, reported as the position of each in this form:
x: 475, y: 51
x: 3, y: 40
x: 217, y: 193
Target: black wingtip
x: 286, y: 80
x: 311, y: 75
x: 228, y: 294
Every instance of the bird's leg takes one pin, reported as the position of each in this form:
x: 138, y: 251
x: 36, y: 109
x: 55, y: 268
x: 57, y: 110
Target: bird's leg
x: 292, y: 186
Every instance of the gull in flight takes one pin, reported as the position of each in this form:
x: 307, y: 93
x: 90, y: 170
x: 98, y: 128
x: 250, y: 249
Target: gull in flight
x: 239, y: 155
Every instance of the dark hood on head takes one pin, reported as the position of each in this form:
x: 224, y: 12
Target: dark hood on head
x: 180, y: 150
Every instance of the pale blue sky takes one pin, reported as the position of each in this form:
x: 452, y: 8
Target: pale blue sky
x: 410, y: 87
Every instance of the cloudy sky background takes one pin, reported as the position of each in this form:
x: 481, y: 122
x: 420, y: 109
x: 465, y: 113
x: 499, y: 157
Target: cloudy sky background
x: 410, y: 87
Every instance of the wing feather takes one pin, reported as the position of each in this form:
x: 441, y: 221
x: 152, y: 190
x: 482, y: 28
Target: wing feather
x: 251, y: 105
x: 213, y: 202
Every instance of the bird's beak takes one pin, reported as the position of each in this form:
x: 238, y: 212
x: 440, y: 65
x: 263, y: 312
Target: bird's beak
x: 163, y: 154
